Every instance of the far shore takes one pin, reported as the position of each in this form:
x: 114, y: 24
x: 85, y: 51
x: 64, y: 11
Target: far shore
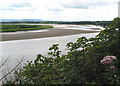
x: 51, y: 32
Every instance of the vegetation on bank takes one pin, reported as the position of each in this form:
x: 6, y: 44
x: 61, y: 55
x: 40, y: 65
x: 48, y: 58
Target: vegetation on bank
x: 89, y: 61
x: 101, y: 23
x: 13, y: 28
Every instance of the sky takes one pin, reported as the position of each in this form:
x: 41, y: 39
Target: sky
x: 59, y: 10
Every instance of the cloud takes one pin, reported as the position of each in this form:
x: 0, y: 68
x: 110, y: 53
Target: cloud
x: 20, y: 5
x: 83, y: 4
x: 75, y: 5
x: 54, y: 9
x: 8, y: 9
x: 63, y: 10
x: 16, y: 7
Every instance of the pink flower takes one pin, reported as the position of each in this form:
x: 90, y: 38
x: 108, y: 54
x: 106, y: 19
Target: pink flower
x: 106, y: 61
x: 102, y: 61
x: 111, y: 57
x: 112, y: 67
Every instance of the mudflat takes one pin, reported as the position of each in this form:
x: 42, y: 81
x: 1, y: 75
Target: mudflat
x: 51, y: 32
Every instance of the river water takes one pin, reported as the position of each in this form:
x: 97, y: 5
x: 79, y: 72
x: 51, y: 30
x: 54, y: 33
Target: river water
x: 29, y: 48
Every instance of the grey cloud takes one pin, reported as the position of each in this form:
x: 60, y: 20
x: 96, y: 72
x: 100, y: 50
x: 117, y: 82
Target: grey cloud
x: 75, y: 5
x: 98, y: 3
x: 17, y: 7
x: 54, y: 9
x: 8, y: 9
x: 83, y: 5
x: 20, y: 5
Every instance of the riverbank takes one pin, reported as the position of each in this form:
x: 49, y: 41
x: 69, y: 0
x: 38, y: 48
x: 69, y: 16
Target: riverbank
x: 57, y: 30
x: 14, y: 28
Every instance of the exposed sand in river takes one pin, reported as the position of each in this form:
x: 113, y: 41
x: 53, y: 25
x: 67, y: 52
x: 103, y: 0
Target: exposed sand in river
x: 57, y: 30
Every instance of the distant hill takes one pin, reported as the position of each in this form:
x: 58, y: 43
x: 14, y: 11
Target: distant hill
x: 21, y: 20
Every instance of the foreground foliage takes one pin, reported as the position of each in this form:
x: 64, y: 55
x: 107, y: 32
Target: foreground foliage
x: 81, y: 65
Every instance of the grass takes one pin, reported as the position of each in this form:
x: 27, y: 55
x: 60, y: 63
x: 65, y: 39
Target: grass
x: 14, y: 28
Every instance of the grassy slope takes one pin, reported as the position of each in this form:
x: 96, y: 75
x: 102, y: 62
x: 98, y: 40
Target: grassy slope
x: 13, y: 28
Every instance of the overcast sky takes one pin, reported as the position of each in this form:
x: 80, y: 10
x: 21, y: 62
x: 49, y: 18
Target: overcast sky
x: 59, y: 10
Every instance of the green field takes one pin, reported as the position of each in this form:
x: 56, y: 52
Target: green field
x: 14, y: 28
